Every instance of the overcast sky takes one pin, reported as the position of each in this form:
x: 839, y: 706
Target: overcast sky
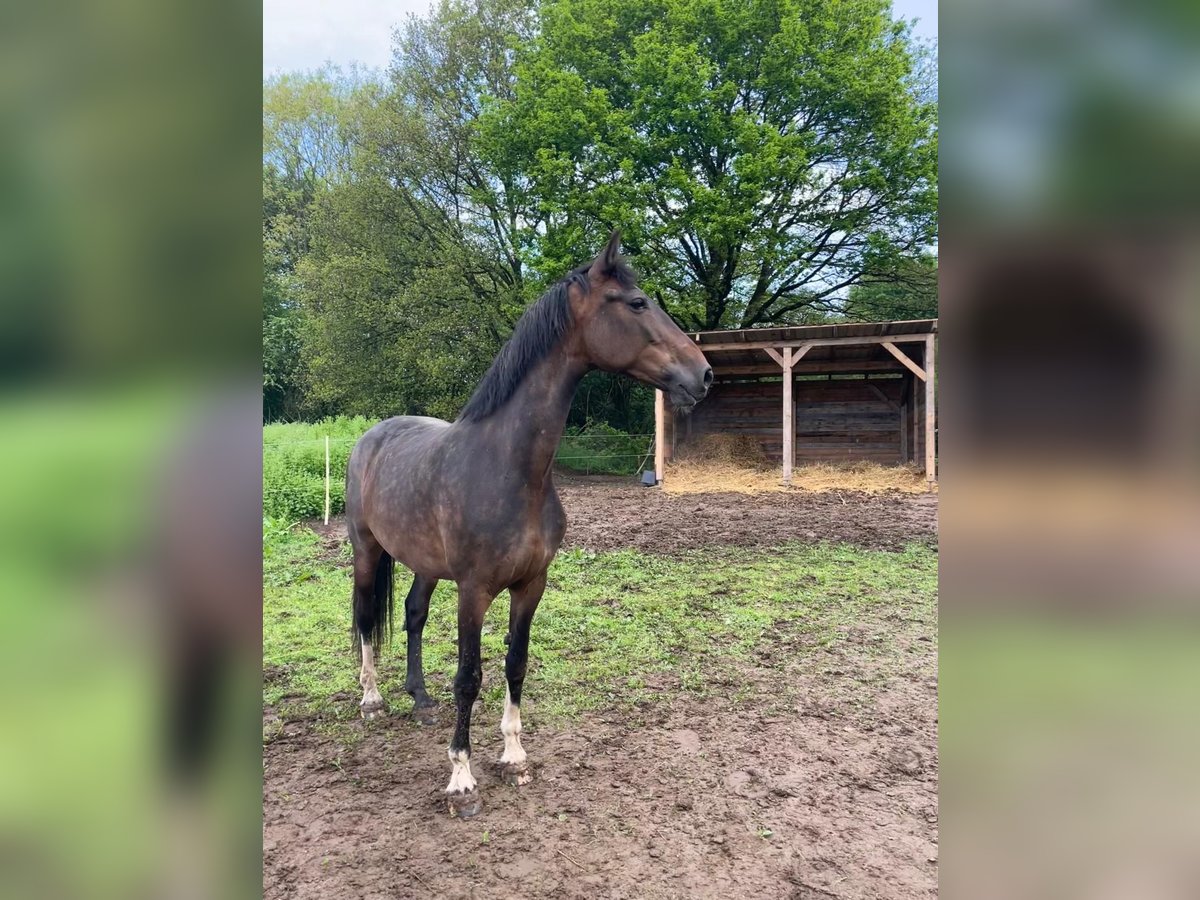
x: 305, y: 34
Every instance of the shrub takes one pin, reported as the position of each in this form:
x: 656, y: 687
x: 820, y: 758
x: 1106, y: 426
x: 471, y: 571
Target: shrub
x: 597, y: 448
x: 294, y: 466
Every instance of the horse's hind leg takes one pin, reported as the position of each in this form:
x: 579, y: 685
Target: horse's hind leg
x: 370, y: 616
x: 416, y: 611
x: 514, y: 767
x: 372, y: 703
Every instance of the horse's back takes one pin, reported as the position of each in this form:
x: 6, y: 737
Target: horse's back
x: 405, y: 434
x: 391, y: 463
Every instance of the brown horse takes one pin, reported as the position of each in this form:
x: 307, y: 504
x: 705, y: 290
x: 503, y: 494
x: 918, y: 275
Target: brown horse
x: 473, y: 500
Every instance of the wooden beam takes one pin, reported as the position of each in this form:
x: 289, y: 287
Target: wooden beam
x: 930, y: 415
x: 814, y: 342
x: 660, y: 433
x: 813, y: 367
x: 903, y: 357
x: 774, y: 354
x: 795, y: 355
x: 903, y: 433
x: 789, y: 428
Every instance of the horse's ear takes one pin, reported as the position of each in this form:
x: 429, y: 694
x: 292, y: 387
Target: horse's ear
x: 609, y: 257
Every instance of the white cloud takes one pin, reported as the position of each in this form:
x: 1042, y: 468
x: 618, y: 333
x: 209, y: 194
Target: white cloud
x: 305, y: 34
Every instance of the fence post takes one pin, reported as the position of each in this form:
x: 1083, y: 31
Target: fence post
x: 326, y: 479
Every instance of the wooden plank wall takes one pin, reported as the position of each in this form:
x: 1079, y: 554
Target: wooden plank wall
x: 840, y: 419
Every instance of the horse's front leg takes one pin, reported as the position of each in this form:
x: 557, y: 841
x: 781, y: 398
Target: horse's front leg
x: 514, y: 765
x: 462, y: 794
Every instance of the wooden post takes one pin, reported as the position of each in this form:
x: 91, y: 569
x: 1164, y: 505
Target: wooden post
x: 660, y: 434
x: 904, y: 433
x: 789, y: 429
x: 930, y: 417
x: 913, y: 425
x: 326, y: 479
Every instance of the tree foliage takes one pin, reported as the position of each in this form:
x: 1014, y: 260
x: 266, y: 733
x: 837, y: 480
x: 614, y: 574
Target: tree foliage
x: 909, y: 290
x: 770, y: 161
x: 306, y: 151
x: 760, y: 155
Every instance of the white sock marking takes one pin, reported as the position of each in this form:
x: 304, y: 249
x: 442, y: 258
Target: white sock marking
x: 461, y: 779
x: 367, y: 677
x: 510, y: 727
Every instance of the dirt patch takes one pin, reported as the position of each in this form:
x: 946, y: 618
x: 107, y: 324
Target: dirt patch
x: 605, y: 513
x: 806, y: 786
x: 608, y: 516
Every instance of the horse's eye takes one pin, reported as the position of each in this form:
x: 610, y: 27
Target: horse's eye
x: 637, y: 303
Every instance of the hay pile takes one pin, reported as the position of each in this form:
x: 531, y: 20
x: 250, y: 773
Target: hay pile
x: 727, y: 449
x: 725, y: 462
x: 868, y: 477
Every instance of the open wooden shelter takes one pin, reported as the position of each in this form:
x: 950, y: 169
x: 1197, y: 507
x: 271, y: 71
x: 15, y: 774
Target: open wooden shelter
x: 829, y: 393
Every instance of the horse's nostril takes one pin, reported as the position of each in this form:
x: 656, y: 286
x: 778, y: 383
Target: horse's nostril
x: 708, y: 378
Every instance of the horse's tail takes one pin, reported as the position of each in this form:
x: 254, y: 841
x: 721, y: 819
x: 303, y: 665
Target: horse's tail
x: 381, y: 603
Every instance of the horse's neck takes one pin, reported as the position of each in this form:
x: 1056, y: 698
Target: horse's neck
x: 531, y: 423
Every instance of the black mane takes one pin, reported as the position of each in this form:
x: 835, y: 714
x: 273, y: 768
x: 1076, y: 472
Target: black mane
x: 538, y: 330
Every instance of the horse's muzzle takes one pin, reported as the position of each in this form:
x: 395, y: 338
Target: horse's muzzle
x: 685, y: 392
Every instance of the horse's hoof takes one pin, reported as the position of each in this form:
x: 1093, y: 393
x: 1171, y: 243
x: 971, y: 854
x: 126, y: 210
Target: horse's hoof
x: 376, y: 709
x: 516, y: 774
x: 464, y: 804
x: 425, y: 715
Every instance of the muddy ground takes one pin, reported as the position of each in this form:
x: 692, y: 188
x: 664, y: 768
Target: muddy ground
x: 807, y: 773
x: 608, y: 513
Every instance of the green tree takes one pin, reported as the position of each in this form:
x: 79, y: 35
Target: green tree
x: 445, y: 69
x: 309, y: 127
x: 282, y: 389
x: 282, y: 359
x: 761, y: 156
x: 471, y: 195
x: 389, y: 323
x: 397, y: 314
x: 908, y: 290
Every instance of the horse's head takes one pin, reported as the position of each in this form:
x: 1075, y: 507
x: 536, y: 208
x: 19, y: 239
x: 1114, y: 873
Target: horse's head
x: 622, y: 330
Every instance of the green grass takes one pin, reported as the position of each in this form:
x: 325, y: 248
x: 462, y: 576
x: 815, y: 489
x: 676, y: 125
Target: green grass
x: 607, y: 623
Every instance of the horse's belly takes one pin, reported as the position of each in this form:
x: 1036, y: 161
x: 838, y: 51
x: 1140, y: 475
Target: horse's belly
x: 421, y: 561
x: 408, y: 527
